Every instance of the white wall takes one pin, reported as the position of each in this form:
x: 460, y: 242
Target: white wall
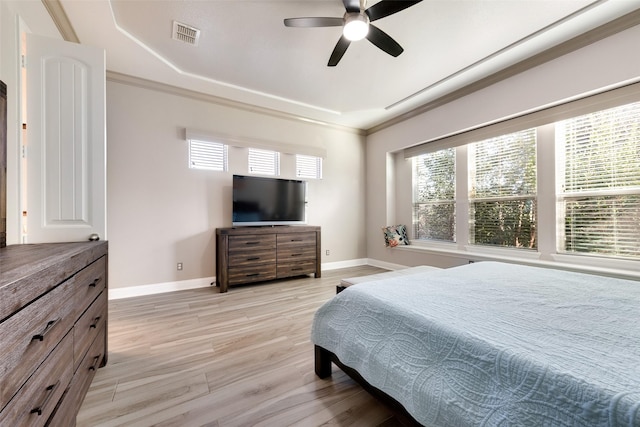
x: 160, y: 212
x: 601, y: 65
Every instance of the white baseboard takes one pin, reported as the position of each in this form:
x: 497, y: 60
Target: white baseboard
x: 343, y: 264
x: 159, y: 288
x: 385, y: 265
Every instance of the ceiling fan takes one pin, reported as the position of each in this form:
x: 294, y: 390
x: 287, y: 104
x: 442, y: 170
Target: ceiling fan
x: 356, y: 25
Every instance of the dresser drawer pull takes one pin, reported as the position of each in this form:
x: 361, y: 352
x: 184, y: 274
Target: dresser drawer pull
x: 252, y: 243
x: 296, y: 254
x: 50, y: 325
x: 253, y: 274
x: 50, y: 389
x: 296, y: 240
x: 297, y: 269
x: 95, y: 322
x: 253, y: 258
x: 94, y: 283
x: 96, y: 360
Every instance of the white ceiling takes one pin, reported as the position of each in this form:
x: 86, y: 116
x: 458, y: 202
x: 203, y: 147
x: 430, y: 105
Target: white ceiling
x: 246, y: 54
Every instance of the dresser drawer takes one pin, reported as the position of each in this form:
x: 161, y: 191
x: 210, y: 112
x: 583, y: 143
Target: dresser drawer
x: 39, y: 396
x: 266, y: 242
x: 296, y: 268
x: 88, y: 327
x: 66, y: 412
x: 252, y: 274
x: 296, y: 253
x: 289, y: 240
x: 90, y: 281
x: 248, y: 258
x: 28, y: 336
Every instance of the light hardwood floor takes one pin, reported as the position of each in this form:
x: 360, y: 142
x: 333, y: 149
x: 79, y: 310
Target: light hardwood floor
x: 243, y: 358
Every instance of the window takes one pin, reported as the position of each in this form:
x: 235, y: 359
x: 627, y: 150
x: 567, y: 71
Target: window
x: 434, y: 207
x: 207, y: 155
x: 308, y: 167
x: 264, y: 162
x: 599, y: 164
x: 503, y: 191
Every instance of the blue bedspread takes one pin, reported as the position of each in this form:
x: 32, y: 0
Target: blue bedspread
x: 494, y: 344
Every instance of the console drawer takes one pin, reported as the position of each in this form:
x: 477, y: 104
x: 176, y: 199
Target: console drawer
x: 66, y: 413
x: 28, y: 337
x: 252, y: 274
x: 265, y: 242
x: 296, y: 268
x: 90, y: 281
x: 88, y: 327
x: 248, y: 258
x: 296, y: 239
x: 39, y: 396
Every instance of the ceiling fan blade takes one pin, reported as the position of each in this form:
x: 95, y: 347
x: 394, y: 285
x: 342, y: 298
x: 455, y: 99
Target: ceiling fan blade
x: 314, y: 22
x: 388, y: 7
x: 352, y: 5
x: 384, y: 41
x: 338, y: 51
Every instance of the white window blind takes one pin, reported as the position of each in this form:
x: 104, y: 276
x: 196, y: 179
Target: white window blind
x: 264, y: 162
x: 503, y: 190
x: 434, y: 196
x: 600, y: 196
x: 207, y: 155
x: 308, y: 167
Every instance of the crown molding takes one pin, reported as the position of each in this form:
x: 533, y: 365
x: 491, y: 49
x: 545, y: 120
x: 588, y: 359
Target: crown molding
x: 606, y: 30
x: 61, y: 20
x: 113, y: 76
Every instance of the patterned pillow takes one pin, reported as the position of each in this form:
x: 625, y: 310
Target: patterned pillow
x: 395, y: 235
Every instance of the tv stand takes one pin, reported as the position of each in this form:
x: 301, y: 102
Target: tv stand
x: 256, y: 254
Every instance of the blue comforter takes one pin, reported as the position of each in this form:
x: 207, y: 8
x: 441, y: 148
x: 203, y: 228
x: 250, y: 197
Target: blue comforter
x: 493, y: 344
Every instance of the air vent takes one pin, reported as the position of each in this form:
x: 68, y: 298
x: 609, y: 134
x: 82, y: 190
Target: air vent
x: 185, y: 33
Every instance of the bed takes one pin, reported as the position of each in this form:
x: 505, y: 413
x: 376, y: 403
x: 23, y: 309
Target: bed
x: 491, y: 344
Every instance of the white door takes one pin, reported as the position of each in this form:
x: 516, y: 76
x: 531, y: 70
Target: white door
x: 65, y: 141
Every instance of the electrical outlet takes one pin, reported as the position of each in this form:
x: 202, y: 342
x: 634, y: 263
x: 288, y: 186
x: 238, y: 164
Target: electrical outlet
x: 179, y: 266
x: 328, y: 252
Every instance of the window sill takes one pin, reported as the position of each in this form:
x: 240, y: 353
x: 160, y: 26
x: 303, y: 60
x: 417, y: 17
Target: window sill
x: 624, y: 269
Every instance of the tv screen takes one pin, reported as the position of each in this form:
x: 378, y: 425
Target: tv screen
x: 268, y: 201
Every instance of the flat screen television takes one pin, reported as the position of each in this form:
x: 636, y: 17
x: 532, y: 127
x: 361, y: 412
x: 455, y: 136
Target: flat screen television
x: 268, y: 201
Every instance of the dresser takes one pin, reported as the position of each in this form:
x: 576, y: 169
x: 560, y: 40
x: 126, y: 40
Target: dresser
x: 256, y: 254
x: 53, y: 329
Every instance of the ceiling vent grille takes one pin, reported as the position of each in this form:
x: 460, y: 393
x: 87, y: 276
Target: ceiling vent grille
x: 185, y: 33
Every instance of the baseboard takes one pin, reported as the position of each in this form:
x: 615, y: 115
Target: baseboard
x: 343, y: 264
x: 385, y: 265
x: 159, y: 288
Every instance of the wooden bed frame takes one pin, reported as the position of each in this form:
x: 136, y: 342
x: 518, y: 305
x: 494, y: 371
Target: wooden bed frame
x: 323, y: 359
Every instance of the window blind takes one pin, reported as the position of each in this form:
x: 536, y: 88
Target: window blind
x: 308, y: 167
x: 207, y: 155
x: 601, y: 189
x: 434, y: 196
x: 264, y: 162
x: 503, y: 190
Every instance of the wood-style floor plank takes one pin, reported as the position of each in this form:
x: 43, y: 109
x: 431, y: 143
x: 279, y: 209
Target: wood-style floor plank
x: 242, y: 358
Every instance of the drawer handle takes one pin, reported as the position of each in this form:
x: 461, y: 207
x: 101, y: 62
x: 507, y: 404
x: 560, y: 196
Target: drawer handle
x: 296, y: 269
x: 253, y: 274
x: 252, y: 243
x: 47, y: 328
x: 96, y: 360
x: 296, y: 254
x: 254, y: 258
x: 95, y: 322
x: 95, y: 282
x: 50, y: 389
x: 296, y: 240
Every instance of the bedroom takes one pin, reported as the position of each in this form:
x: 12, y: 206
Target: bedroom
x: 161, y: 213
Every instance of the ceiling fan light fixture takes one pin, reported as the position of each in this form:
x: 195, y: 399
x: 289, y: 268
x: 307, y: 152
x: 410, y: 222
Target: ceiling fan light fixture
x: 356, y: 26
